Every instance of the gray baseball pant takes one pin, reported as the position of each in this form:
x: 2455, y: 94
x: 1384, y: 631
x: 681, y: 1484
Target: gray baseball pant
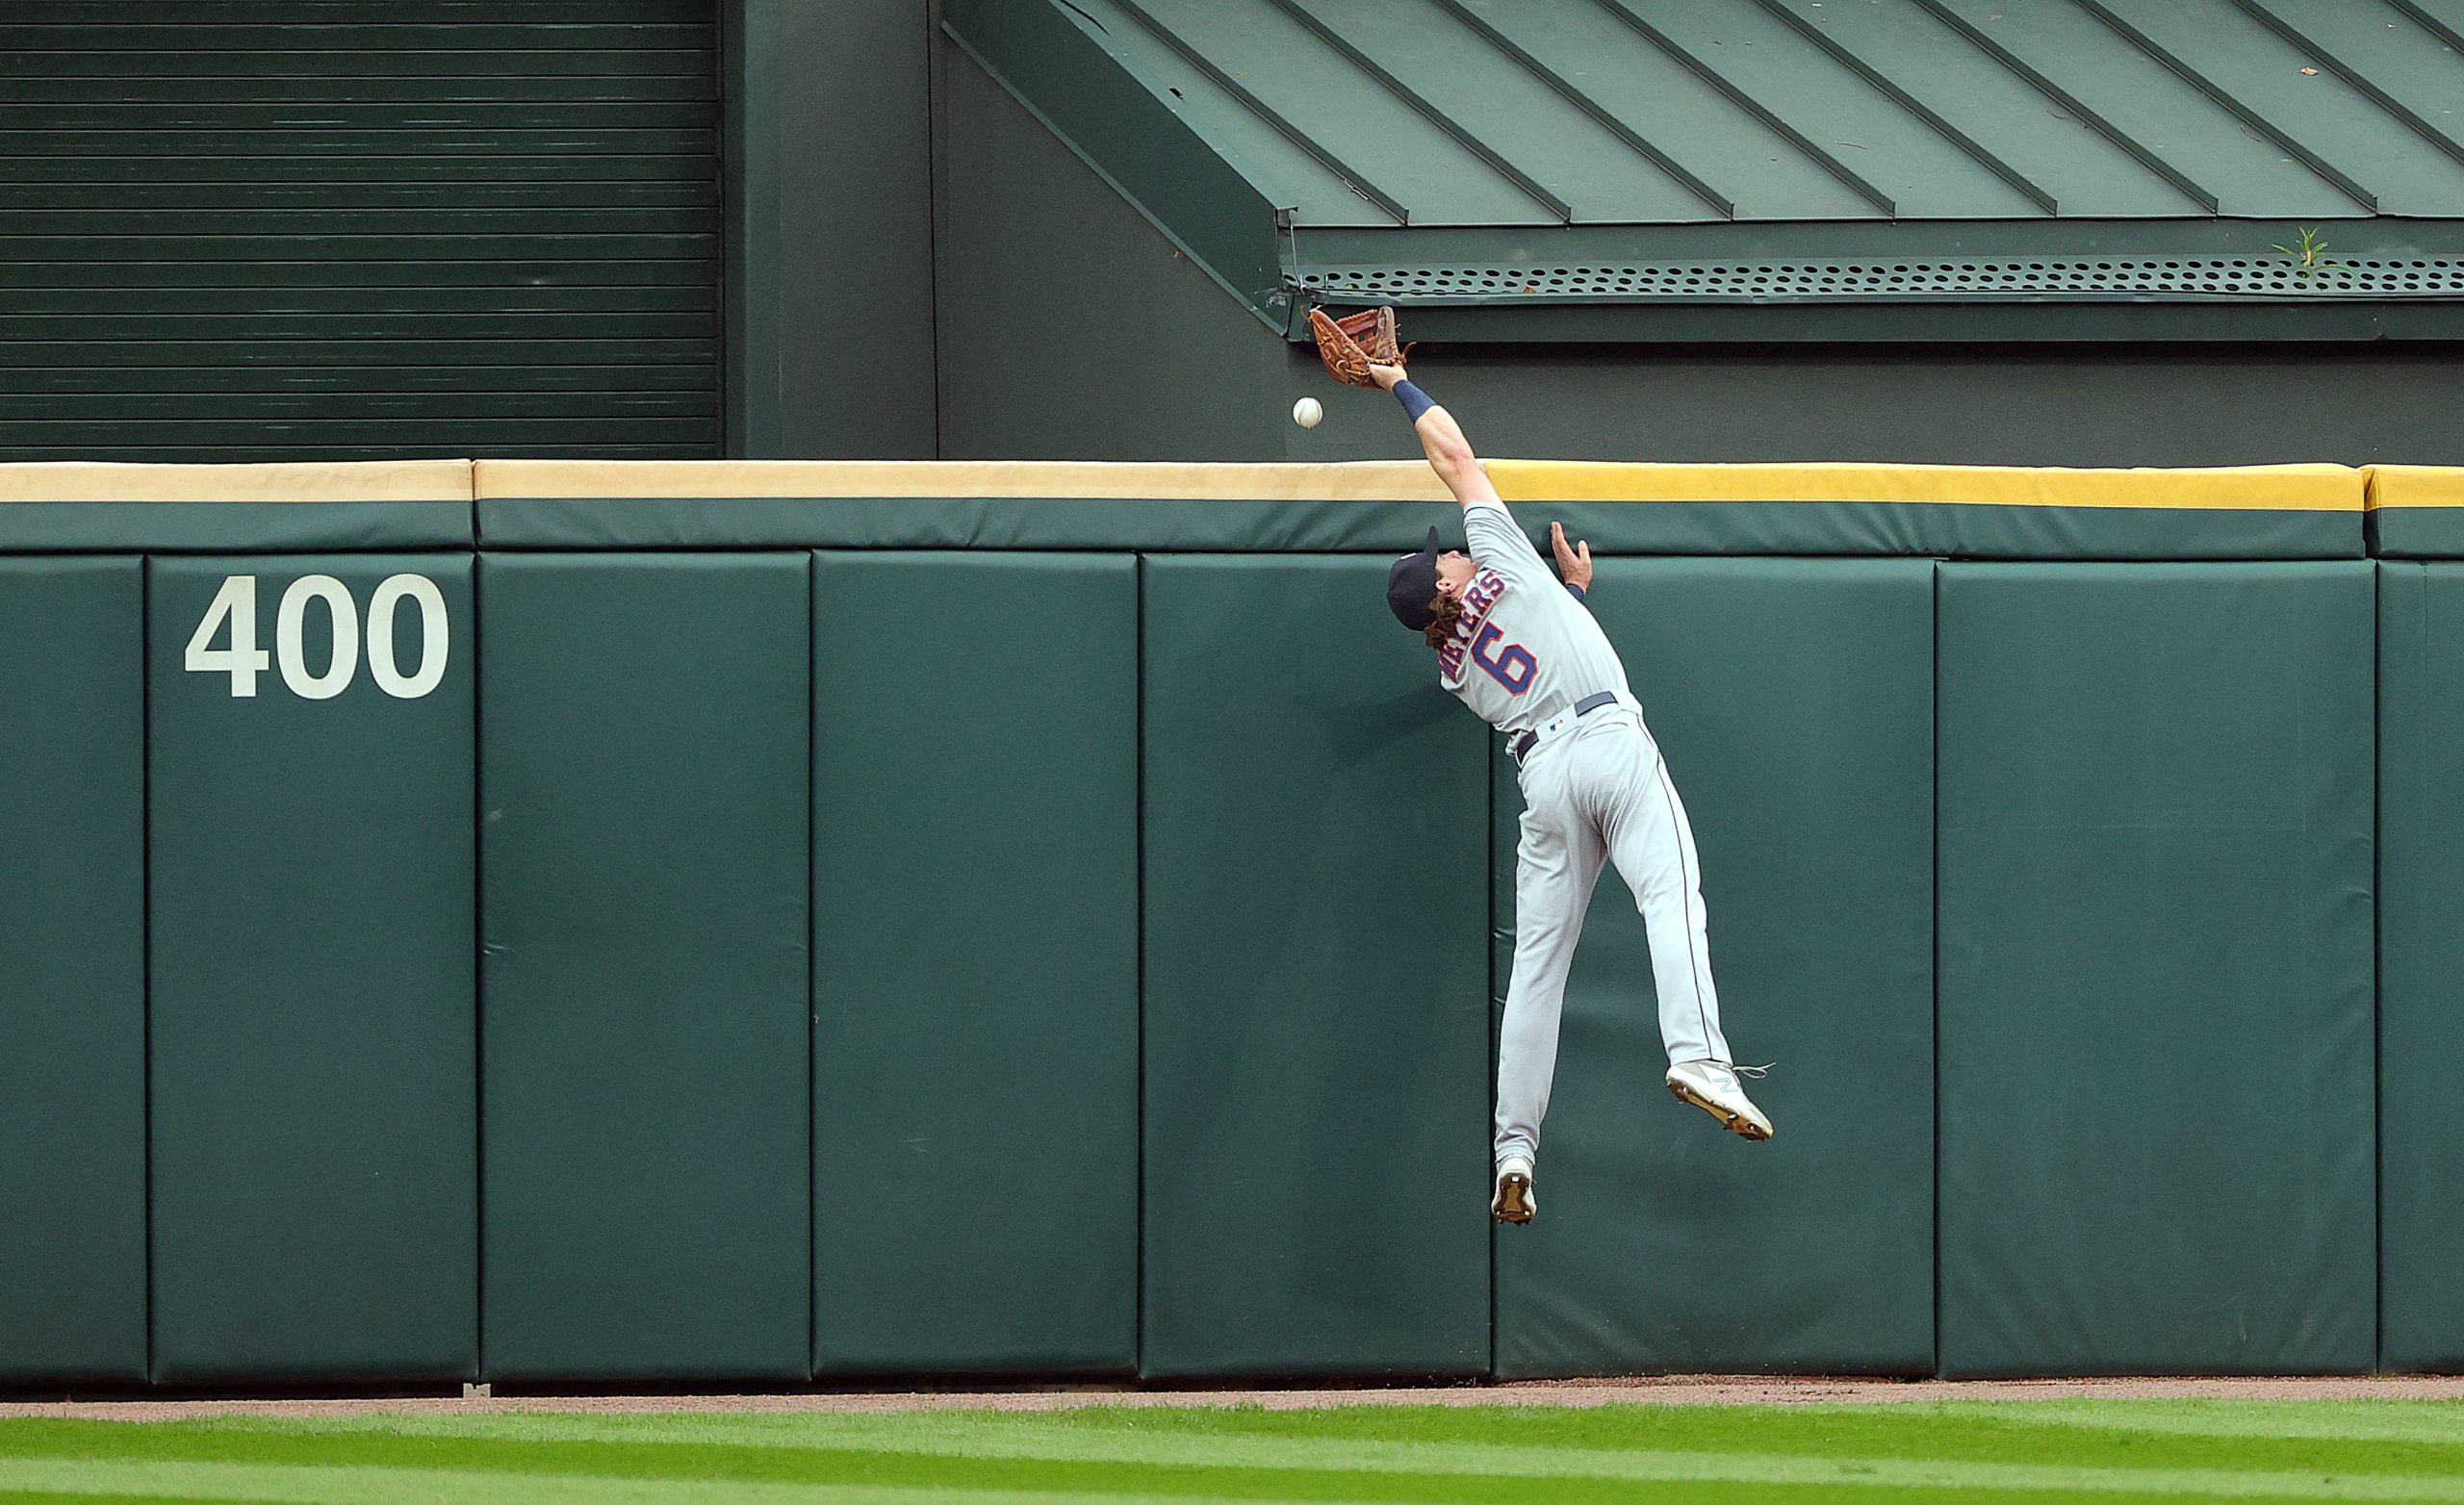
x: 1599, y: 792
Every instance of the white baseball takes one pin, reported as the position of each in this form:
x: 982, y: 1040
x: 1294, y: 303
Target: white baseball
x: 1306, y: 411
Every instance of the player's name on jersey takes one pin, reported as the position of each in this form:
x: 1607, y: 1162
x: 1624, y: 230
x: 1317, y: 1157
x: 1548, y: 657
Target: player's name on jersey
x: 1477, y: 601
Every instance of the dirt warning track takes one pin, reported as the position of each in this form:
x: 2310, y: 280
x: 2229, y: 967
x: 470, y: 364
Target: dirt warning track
x: 1672, y: 1390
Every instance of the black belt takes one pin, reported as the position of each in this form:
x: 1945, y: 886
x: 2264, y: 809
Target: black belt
x: 1521, y: 742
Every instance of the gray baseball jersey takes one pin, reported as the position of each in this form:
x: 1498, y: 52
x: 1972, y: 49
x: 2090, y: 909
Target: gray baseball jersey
x: 1525, y: 648
x: 1524, y: 656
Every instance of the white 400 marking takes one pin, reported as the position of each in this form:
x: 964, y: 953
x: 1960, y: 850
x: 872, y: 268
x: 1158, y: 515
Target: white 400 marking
x: 236, y: 604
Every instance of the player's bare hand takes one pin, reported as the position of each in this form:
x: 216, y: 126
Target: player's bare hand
x: 1386, y: 376
x: 1573, y: 560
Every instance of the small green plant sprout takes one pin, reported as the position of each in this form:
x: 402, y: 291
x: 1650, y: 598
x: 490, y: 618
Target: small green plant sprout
x: 2309, y: 256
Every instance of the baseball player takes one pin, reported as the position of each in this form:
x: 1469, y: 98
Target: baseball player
x: 1525, y: 654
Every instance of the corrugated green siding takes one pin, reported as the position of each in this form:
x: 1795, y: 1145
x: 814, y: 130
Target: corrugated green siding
x: 1436, y: 113
x: 1926, y: 156
x: 307, y: 229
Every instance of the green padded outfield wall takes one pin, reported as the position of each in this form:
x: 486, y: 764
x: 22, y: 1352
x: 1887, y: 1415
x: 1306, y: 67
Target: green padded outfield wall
x: 2155, y: 981
x: 1316, y: 877
x: 2288, y: 512
x: 1794, y: 702
x: 644, y: 792
x: 2420, y: 954
x: 72, y: 970
x: 975, y: 963
x: 1226, y: 956
x: 311, y: 978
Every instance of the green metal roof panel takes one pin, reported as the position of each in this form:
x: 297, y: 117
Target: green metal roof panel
x: 1222, y: 109
x: 2387, y: 52
x: 1857, y: 111
x: 1497, y: 153
x: 2361, y: 133
x: 1706, y: 131
x: 2196, y: 138
x: 1404, y: 153
x: 1955, y: 75
x: 1528, y: 122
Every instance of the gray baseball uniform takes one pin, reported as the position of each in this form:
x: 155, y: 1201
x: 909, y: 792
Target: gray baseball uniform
x: 1530, y: 660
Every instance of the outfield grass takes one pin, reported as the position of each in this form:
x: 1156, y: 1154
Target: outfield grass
x: 2110, y: 1451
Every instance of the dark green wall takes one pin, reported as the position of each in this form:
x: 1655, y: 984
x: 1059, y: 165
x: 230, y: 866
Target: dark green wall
x: 975, y: 963
x: 72, y: 970
x: 977, y: 291
x: 2105, y: 405
x: 830, y: 219
x: 937, y: 962
x: 1314, y: 819
x: 312, y: 1009
x: 644, y: 784
x: 1794, y: 701
x: 1032, y: 365
x: 2420, y: 956
x: 2155, y: 985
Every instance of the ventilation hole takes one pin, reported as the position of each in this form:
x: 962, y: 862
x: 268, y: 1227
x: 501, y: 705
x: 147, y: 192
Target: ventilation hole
x: 2247, y: 276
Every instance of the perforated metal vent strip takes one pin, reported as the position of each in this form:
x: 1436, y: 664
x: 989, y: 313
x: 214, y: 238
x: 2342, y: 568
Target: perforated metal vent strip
x: 2185, y: 277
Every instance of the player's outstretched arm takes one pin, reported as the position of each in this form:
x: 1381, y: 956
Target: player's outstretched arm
x: 1449, y: 453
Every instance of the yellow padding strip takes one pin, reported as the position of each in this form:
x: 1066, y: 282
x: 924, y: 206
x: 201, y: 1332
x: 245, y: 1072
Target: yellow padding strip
x: 353, y: 480
x: 2327, y: 488
x: 2316, y: 488
x: 2416, y: 486
x: 1380, y: 480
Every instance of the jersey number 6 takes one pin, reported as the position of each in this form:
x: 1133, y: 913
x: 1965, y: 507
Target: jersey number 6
x: 1513, y: 665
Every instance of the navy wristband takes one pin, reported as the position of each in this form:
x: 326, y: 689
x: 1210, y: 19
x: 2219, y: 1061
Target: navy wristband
x: 1414, y: 400
x: 1574, y: 590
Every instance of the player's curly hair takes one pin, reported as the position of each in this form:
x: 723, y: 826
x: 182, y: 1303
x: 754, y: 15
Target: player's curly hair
x: 1449, y: 611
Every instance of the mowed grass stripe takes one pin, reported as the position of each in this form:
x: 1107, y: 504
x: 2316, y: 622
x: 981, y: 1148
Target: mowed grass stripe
x: 2433, y: 1421
x: 130, y: 1483
x: 1998, y: 1433
x: 86, y: 1497
x: 975, y: 1453
x: 252, y: 1484
x: 1990, y: 1432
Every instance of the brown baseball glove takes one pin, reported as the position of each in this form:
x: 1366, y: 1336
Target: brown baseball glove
x: 1352, y: 344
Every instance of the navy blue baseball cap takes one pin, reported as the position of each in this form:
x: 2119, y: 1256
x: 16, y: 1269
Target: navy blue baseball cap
x: 1412, y: 584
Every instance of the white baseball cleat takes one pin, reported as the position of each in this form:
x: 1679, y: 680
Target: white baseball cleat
x: 1513, y: 1202
x: 1712, y: 1086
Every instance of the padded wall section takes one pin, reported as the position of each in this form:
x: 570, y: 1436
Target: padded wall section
x: 1191, y: 525
x: 2417, y: 511
x: 1244, y: 525
x: 72, y: 970
x: 1316, y: 1102
x: 387, y: 506
x: 253, y: 527
x: 2421, y: 953
x: 1794, y: 702
x: 2155, y: 968
x: 975, y: 963
x: 645, y: 785
x: 1936, y: 527
x: 312, y: 994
